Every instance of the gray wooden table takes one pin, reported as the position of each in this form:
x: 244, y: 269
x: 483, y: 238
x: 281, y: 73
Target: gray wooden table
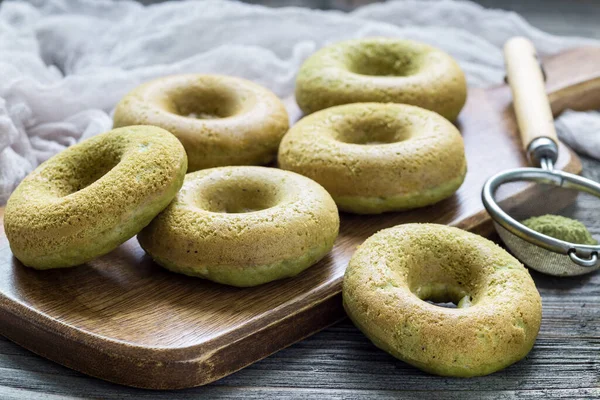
x: 340, y: 362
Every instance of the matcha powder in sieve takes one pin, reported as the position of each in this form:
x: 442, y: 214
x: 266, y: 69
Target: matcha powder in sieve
x: 556, y: 226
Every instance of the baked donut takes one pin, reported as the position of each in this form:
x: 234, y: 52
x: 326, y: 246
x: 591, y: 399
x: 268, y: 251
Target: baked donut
x: 243, y: 226
x: 375, y: 157
x: 220, y: 120
x: 87, y: 200
x: 384, y: 71
x: 394, y: 274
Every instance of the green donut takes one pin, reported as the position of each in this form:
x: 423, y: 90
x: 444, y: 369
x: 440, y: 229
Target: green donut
x: 243, y: 226
x: 220, y: 120
x: 384, y: 71
x: 95, y: 195
x: 374, y: 158
x: 395, y: 271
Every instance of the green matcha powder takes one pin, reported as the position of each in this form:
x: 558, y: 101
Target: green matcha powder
x: 567, y: 229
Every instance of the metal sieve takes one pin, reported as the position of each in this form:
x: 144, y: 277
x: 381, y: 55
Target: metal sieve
x: 536, y: 125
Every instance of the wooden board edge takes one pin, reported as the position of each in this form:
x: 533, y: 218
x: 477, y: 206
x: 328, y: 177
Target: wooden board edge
x: 199, y: 370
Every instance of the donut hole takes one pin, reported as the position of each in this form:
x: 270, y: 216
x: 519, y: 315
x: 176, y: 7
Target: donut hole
x: 375, y: 129
x: 381, y: 60
x: 238, y: 196
x: 204, y: 103
x: 444, y: 295
x: 83, y: 169
x: 445, y: 272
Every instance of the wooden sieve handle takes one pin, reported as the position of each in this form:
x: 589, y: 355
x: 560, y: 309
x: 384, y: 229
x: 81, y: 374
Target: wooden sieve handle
x: 530, y: 101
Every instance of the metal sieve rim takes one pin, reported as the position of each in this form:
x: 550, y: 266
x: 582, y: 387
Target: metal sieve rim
x: 583, y: 255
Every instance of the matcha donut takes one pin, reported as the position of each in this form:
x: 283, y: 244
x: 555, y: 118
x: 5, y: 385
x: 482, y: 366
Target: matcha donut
x: 220, y: 120
x: 87, y: 200
x: 384, y: 71
x: 374, y: 158
x: 395, y: 275
x: 243, y: 226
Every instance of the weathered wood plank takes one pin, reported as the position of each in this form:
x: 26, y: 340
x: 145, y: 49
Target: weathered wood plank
x: 254, y: 393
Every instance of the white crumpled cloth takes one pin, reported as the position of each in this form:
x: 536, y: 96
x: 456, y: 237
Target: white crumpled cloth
x: 64, y: 64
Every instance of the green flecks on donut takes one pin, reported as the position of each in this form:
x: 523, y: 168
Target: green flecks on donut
x: 220, y: 120
x: 93, y: 196
x: 499, y: 309
x: 381, y: 70
x: 243, y: 226
x: 419, y: 160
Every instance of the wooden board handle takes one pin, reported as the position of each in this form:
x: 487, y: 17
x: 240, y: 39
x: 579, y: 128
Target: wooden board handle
x: 574, y: 80
x: 530, y: 101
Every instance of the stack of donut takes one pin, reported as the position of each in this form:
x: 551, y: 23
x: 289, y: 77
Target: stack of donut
x: 377, y: 137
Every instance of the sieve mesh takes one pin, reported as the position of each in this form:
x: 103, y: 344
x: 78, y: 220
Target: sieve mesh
x: 540, y: 259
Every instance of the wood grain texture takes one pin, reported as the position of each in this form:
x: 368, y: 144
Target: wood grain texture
x: 579, y: 85
x: 340, y: 363
x: 124, y: 319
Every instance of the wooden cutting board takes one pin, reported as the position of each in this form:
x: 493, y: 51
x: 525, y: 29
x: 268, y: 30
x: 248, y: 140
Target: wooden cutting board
x: 124, y: 319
